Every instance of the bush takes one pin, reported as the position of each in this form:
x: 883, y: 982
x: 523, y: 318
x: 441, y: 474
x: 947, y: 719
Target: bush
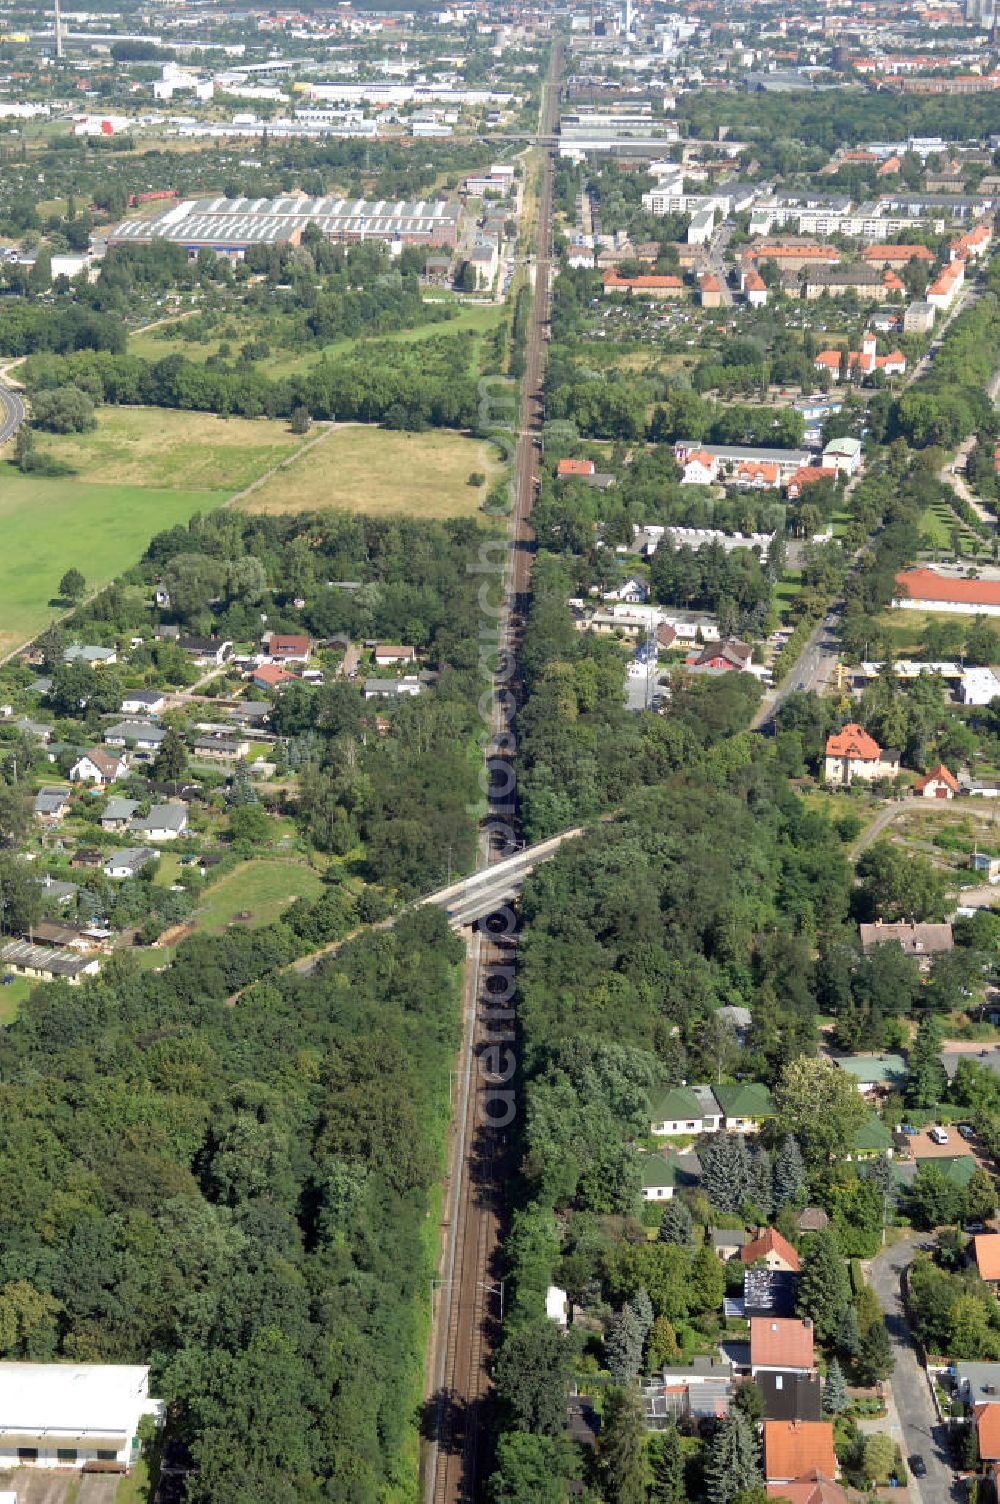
x: 63, y: 410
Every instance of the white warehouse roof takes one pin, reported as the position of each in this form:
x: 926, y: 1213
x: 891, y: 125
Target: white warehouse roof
x: 75, y: 1398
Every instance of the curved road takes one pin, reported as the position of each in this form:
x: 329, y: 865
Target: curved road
x: 14, y: 414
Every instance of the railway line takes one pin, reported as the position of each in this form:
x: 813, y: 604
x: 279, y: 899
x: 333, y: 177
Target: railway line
x: 467, y: 1297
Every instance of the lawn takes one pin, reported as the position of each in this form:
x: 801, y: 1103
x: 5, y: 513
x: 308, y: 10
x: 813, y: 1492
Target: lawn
x: 261, y: 888
x: 907, y: 628
x: 12, y: 996
x: 158, y: 447
x: 50, y: 524
x: 376, y: 470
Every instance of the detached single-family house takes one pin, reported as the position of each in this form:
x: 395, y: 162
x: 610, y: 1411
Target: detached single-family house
x: 99, y: 766
x: 663, y: 1174
x: 920, y: 940
x: 745, y: 1105
x: 90, y: 654
x: 701, y: 1392
x: 51, y: 805
x: 271, y: 676
x: 128, y: 862
x: 165, y: 822
x: 406, y: 688
x: 287, y: 647
x: 387, y: 653
x: 728, y: 1242
x: 872, y: 1139
x: 874, y: 1074
x: 206, y: 650
x: 575, y: 469
x: 939, y: 783
x: 851, y: 754
x: 794, y: 1447
x: 781, y: 1343
x: 221, y: 748
x: 139, y: 736
x: 843, y: 454
x: 685, y: 1110
x: 772, y: 1250
x: 699, y: 468
x: 68, y: 1415
x: 730, y: 654
x: 144, y: 702
x: 117, y: 813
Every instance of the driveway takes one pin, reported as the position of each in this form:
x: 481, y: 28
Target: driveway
x: 922, y: 1432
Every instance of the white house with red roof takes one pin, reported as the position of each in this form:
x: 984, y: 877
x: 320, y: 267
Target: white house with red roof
x: 939, y: 783
x: 926, y: 590
x: 700, y: 468
x: 852, y: 754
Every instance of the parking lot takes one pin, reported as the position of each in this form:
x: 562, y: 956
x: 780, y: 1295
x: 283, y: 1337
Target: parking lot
x: 922, y: 1146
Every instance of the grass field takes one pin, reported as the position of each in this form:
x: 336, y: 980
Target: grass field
x: 154, y: 446
x: 375, y: 470
x: 12, y: 996
x: 263, y: 889
x: 907, y: 628
x: 287, y: 359
x: 50, y: 524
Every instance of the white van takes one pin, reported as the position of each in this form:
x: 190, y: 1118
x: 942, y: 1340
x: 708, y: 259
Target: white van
x: 938, y: 1135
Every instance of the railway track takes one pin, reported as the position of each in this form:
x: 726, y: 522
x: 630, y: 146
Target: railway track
x: 468, y: 1305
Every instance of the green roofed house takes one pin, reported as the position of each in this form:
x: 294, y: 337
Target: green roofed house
x: 874, y: 1073
x: 663, y: 1174
x: 685, y: 1109
x: 745, y: 1105
x: 872, y: 1138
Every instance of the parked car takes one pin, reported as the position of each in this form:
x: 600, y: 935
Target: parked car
x: 966, y: 1130
x: 938, y: 1135
x: 917, y: 1465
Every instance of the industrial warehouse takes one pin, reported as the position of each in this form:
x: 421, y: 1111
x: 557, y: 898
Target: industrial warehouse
x: 230, y: 225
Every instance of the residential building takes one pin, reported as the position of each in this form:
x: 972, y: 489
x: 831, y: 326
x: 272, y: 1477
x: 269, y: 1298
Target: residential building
x: 386, y: 654
x: 768, y: 1292
x: 852, y: 754
x: 755, y: 289
x: 287, y: 647
x: 808, y: 475
x: 220, y: 748
x: 926, y: 590
x: 812, y: 1219
x: 406, y: 688
x: 662, y: 1175
x: 866, y: 281
x: 750, y: 476
x: 51, y: 805
x: 939, y: 783
x: 574, y: 468
x: 796, y: 257
x: 728, y: 1242
x: 874, y: 1075
x: 710, y: 290
x: 271, y: 676
x: 71, y: 1414
x: 843, y: 454
x: 724, y: 655
x: 165, y: 822
x: 702, y: 1391
x: 99, y: 766
x: 90, y: 654
x: 679, y: 1111
x: 919, y: 318
x: 207, y: 651
x: 138, y: 736
x: 988, y: 1434
x: 973, y: 244
x: 896, y: 256
x: 128, y: 862
x: 730, y: 456
x: 143, y: 702
x: 746, y: 1105
x: 793, y: 1448
x: 872, y: 1140
x: 920, y: 940
x: 781, y: 1344
x: 947, y: 285
x: 117, y: 813
x: 790, y: 1396
x: 772, y: 1250
x: 978, y: 1383
x: 700, y: 469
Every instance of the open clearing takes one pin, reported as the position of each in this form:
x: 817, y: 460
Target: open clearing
x: 378, y: 471
x: 158, y: 447
x: 287, y: 359
x: 51, y: 524
x: 262, y: 889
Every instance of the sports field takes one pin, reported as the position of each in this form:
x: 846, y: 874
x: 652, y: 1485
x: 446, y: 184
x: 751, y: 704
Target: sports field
x: 162, y: 448
x: 375, y: 470
x: 49, y: 525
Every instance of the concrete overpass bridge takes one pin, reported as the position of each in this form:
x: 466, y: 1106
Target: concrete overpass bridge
x: 475, y: 897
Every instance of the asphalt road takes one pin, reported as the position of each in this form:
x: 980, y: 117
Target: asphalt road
x: 12, y: 405
x: 923, y: 1434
